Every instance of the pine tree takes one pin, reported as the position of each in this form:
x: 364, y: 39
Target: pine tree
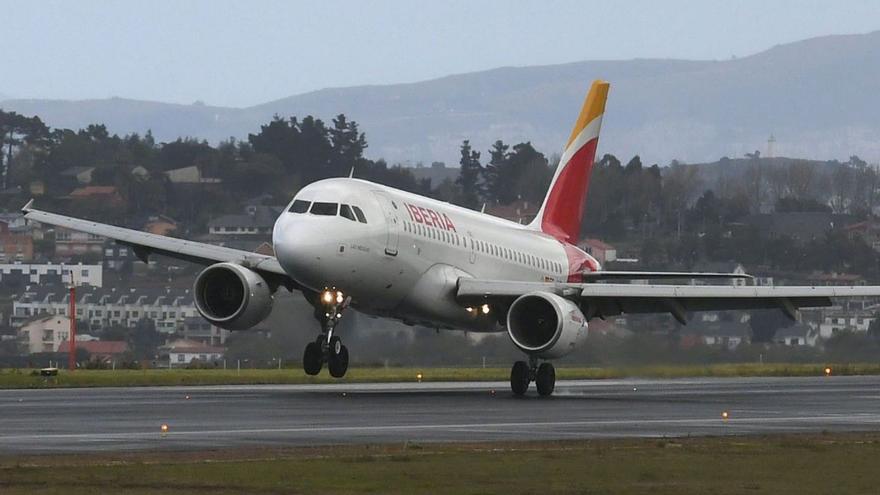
x: 469, y: 176
x: 492, y: 174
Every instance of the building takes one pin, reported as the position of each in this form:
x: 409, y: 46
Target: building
x: 722, y: 267
x: 43, y: 333
x: 119, y: 257
x: 189, y: 175
x: 600, y: 250
x: 15, y: 246
x: 797, y: 335
x: 183, y: 352
x: 724, y: 334
x: 81, y: 175
x: 201, y: 330
x: 73, y: 243
x: 835, y: 279
x: 103, y: 351
x: 108, y: 195
x: 868, y: 231
x: 519, y: 211
x: 15, y: 222
x: 37, y: 188
x: 19, y: 274
x: 166, y: 308
x: 160, y: 225
x: 255, y: 221
x: 846, y: 320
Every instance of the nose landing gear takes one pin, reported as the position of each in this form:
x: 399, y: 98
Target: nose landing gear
x: 523, y: 373
x: 328, y: 348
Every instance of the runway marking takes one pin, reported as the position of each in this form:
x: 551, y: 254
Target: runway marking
x: 865, y: 419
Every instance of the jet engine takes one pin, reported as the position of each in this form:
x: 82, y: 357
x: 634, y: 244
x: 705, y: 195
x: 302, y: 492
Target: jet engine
x: 233, y: 297
x: 546, y: 325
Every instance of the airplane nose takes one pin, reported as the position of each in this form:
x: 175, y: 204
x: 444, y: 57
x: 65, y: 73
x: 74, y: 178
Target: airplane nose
x: 297, y: 243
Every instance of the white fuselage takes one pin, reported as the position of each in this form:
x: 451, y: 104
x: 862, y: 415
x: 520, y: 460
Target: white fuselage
x: 405, y: 260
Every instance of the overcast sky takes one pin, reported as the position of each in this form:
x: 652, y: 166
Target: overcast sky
x: 242, y: 53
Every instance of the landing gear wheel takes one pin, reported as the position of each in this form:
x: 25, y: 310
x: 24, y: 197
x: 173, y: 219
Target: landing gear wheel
x: 313, y: 358
x: 335, y: 346
x: 338, y: 364
x: 545, y: 379
x: 519, y: 378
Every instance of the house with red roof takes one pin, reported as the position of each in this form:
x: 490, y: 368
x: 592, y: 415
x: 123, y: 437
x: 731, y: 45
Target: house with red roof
x: 99, y: 350
x: 602, y: 251
x: 182, y: 352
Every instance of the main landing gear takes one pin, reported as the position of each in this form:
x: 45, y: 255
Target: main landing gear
x: 328, y: 348
x: 524, y: 373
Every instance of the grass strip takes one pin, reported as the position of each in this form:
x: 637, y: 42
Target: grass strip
x: 26, y: 378
x: 777, y: 464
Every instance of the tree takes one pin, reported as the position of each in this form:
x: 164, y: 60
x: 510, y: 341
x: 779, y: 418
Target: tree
x: 469, y: 176
x: 765, y: 323
x: 680, y: 184
x: 347, y: 142
x: 494, y: 172
x: 15, y: 130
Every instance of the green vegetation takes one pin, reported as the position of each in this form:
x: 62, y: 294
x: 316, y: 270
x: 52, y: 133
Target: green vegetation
x: 785, y: 464
x: 15, y: 378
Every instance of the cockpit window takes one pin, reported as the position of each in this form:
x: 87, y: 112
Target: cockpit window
x: 345, y: 211
x: 360, y: 215
x: 300, y: 206
x: 328, y: 209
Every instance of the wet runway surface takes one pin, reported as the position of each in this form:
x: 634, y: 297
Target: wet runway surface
x: 117, y: 419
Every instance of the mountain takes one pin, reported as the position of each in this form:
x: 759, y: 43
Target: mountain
x: 817, y: 97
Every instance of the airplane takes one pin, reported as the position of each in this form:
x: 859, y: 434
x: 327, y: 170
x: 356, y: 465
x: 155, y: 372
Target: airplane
x: 347, y: 242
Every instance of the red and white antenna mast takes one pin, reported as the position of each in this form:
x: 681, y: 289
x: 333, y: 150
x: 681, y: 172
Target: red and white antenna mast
x: 71, y: 347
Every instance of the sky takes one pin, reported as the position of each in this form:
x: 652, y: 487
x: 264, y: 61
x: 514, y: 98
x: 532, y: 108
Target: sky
x: 237, y: 53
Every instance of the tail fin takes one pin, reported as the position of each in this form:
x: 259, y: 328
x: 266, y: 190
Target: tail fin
x: 563, y: 208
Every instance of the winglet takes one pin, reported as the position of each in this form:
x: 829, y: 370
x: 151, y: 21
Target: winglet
x: 27, y: 208
x: 351, y: 174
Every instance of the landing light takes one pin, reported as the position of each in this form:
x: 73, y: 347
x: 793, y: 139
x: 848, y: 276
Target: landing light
x: 339, y: 297
x: 469, y: 309
x: 328, y: 297
x: 485, y: 309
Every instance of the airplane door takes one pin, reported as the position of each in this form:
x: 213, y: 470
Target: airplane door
x: 473, y: 256
x: 389, y: 208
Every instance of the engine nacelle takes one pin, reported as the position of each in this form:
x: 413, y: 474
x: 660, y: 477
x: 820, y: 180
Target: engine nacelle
x: 233, y: 297
x: 546, y: 325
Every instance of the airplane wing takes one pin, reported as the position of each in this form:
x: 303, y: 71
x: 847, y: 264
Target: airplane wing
x: 627, y: 275
x: 144, y: 244
x: 601, y: 300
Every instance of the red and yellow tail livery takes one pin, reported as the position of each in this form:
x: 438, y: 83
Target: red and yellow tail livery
x: 563, y: 208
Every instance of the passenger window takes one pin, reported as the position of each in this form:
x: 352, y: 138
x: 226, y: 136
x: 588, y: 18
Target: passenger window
x: 360, y: 215
x: 345, y: 211
x: 325, y: 209
x: 299, y: 206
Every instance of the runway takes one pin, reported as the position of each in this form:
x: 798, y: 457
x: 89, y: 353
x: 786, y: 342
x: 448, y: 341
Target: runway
x: 121, y: 419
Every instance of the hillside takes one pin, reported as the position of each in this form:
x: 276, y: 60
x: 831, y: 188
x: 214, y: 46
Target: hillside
x: 818, y: 97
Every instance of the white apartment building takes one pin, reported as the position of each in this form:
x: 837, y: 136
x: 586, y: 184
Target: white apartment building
x: 167, y: 308
x: 48, y: 273
x: 44, y: 334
